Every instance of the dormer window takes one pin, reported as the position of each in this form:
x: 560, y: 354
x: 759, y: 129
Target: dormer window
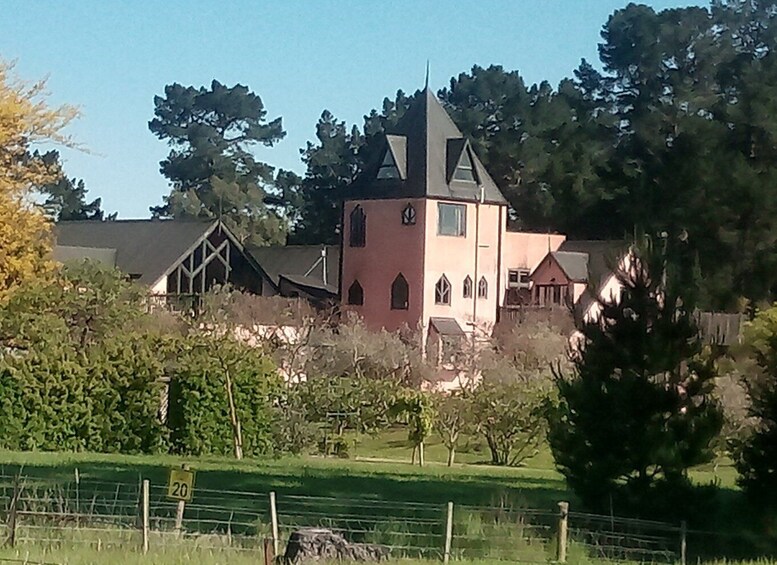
x: 388, y: 167
x: 408, y: 215
x: 465, y: 171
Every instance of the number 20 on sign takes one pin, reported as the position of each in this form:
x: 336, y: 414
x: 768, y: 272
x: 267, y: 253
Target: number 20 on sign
x: 180, y: 485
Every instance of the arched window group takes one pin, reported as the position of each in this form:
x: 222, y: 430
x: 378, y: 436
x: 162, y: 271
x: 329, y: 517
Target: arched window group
x: 358, y: 232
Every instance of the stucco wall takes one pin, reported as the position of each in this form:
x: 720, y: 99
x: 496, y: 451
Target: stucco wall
x: 391, y: 248
x: 524, y: 250
x: 455, y: 257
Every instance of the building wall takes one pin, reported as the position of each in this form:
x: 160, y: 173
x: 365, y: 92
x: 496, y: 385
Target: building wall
x: 523, y: 250
x: 390, y: 248
x: 455, y: 257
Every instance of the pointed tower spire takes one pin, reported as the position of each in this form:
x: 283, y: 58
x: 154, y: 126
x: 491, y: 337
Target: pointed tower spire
x: 426, y: 81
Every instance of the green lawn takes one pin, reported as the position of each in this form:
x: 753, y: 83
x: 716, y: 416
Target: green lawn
x: 377, y: 484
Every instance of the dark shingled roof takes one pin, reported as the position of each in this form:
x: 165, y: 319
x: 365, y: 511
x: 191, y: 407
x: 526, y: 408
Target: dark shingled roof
x: 574, y: 264
x: 433, y: 143
x: 300, y: 264
x: 446, y: 326
x: 603, y: 257
x: 142, y: 247
x: 65, y: 254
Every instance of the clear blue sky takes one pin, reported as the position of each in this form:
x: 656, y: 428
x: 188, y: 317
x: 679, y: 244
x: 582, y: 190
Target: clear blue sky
x: 111, y: 57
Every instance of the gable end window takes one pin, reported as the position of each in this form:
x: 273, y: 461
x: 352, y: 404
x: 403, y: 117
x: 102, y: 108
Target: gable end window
x: 358, y: 233
x: 467, y: 288
x: 400, y: 293
x: 442, y: 291
x: 452, y: 219
x: 408, y: 215
x: 483, y: 288
x: 356, y: 294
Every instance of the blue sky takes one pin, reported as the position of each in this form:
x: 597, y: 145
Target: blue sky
x: 111, y: 57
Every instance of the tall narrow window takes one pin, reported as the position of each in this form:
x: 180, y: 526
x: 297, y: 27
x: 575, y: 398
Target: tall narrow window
x: 467, y: 287
x: 442, y: 291
x: 355, y: 294
x: 358, y: 234
x: 408, y: 215
x: 451, y: 219
x: 400, y: 293
x: 483, y: 288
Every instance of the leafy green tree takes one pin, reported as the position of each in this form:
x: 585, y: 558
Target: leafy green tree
x: 418, y: 408
x: 637, y: 409
x: 66, y: 197
x: 454, y: 419
x: 211, y: 167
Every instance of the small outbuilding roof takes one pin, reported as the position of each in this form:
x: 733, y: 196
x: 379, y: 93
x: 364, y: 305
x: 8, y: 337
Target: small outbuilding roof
x: 447, y: 326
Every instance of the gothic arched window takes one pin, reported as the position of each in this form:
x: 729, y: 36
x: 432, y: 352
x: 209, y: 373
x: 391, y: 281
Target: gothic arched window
x: 483, y: 288
x: 467, y: 287
x: 355, y: 294
x: 358, y: 235
x: 400, y: 293
x: 442, y: 291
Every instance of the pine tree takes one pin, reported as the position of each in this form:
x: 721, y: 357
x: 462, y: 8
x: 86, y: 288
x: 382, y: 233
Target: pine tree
x: 637, y: 410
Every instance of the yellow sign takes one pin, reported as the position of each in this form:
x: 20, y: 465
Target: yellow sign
x: 181, y: 484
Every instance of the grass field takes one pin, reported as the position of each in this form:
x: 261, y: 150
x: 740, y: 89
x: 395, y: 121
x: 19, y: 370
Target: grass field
x: 379, y: 472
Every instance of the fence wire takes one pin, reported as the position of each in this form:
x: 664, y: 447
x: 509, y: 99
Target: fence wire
x: 108, y: 515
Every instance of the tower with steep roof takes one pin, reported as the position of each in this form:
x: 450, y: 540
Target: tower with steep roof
x: 422, y: 231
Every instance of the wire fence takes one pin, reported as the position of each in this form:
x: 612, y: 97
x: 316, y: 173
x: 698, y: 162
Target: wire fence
x: 116, y: 515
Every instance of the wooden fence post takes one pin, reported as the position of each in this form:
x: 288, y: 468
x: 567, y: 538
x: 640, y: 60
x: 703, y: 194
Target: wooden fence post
x: 12, y: 512
x: 683, y: 541
x: 144, y: 513
x: 563, y: 517
x: 180, y: 510
x: 448, y: 535
x: 274, y: 519
x: 269, y: 553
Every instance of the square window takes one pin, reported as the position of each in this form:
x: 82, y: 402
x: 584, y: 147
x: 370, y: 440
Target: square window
x: 452, y: 219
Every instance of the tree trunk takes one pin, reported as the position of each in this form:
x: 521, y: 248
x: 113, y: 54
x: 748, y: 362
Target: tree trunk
x: 421, y: 454
x: 451, y: 455
x: 237, y: 432
x: 412, y: 457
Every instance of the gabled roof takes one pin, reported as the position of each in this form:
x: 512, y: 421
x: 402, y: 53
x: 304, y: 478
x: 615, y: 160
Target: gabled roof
x: 300, y: 264
x: 430, y: 136
x: 144, y: 249
x: 603, y: 257
x: 574, y: 264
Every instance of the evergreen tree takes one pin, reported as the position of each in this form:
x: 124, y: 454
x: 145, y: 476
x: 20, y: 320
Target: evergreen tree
x: 211, y: 167
x: 637, y: 410
x: 66, y: 197
x: 332, y: 165
x: 757, y: 457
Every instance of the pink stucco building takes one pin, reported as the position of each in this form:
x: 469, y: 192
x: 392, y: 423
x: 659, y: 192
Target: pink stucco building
x: 425, y: 240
